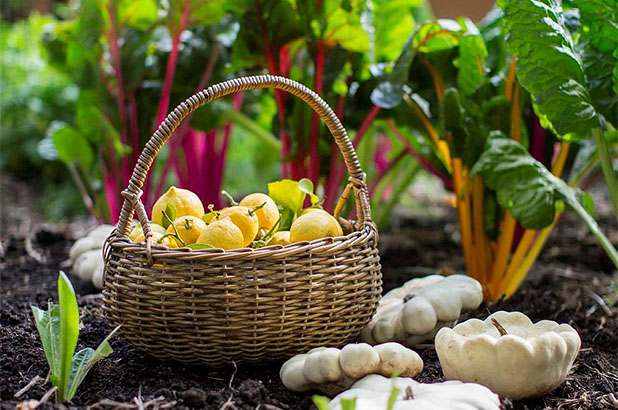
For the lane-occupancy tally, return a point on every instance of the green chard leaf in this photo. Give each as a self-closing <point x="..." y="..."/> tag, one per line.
<point x="472" y="55"/>
<point x="548" y="66"/>
<point x="522" y="184"/>
<point x="392" y="22"/>
<point x="72" y="147"/>
<point x="530" y="191"/>
<point x="389" y="93"/>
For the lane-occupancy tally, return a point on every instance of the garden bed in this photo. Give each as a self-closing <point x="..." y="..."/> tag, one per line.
<point x="567" y="285"/>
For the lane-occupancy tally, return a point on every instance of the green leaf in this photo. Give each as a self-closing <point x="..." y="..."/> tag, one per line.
<point x="392" y="398"/>
<point x="48" y="325"/>
<point x="344" y="28"/>
<point x="306" y="186"/>
<point x="348" y="404"/>
<point x="287" y="217"/>
<point x="197" y="246"/>
<point x="84" y="360"/>
<point x="169" y="215"/>
<point x="389" y="93"/>
<point x="438" y="35"/>
<point x="547" y="65"/>
<point x="522" y="184"/>
<point x="471" y="73"/>
<point x="140" y="14"/>
<point x="599" y="18"/>
<point x="290" y="194"/>
<point x="72" y="147"/>
<point x="254" y="129"/>
<point x="69" y="330"/>
<point x="392" y="23"/>
<point x="321" y="402"/>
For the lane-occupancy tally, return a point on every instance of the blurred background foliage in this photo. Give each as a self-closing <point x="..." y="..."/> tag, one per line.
<point x="86" y="84"/>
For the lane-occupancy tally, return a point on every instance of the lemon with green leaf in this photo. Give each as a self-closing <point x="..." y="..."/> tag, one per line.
<point x="180" y="201"/>
<point x="188" y="228"/>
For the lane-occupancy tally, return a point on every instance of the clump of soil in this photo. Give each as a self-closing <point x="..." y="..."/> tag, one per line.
<point x="569" y="287"/>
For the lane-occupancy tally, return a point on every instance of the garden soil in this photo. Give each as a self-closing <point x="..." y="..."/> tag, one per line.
<point x="573" y="282"/>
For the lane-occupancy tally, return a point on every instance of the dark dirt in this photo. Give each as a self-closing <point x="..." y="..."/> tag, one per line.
<point x="572" y="283"/>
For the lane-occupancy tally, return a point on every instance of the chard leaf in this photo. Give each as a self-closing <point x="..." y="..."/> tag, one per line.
<point x="547" y="65"/>
<point x="72" y="147"/>
<point x="69" y="330"/>
<point x="344" y="28"/>
<point x="392" y="22"/>
<point x="140" y="14"/>
<point x="83" y="361"/>
<point x="601" y="27"/>
<point x="389" y="93"/>
<point x="472" y="55"/>
<point x="523" y="185"/>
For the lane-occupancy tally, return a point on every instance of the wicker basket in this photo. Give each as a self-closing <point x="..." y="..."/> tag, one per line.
<point x="246" y="305"/>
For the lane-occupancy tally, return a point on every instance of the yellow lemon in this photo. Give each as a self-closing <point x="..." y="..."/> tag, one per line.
<point x="158" y="239"/>
<point x="314" y="225"/>
<point x="311" y="209"/>
<point x="280" y="238"/>
<point x="222" y="234"/>
<point x="245" y="219"/>
<point x="189" y="228"/>
<point x="137" y="231"/>
<point x="268" y="215"/>
<point x="186" y="203"/>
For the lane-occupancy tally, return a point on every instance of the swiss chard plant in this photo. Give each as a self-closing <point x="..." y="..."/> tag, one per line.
<point x="481" y="133"/>
<point x="132" y="61"/>
<point x="58" y="328"/>
<point x="338" y="49"/>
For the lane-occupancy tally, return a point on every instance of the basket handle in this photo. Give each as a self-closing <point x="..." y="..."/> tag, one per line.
<point x="133" y="192"/>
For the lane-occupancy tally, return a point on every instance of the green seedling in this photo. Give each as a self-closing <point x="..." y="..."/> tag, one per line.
<point x="58" y="328"/>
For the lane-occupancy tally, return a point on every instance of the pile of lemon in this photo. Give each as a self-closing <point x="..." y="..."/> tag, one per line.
<point x="179" y="220"/>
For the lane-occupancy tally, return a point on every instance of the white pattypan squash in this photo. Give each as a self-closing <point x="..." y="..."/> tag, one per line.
<point x="86" y="254"/>
<point x="374" y="393"/>
<point x="520" y="360"/>
<point x="414" y="312"/>
<point x="332" y="370"/>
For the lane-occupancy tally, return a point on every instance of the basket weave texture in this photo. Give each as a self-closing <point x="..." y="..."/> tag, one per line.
<point x="212" y="306"/>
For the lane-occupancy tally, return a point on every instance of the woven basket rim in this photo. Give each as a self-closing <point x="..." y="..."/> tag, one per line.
<point x="250" y="253"/>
